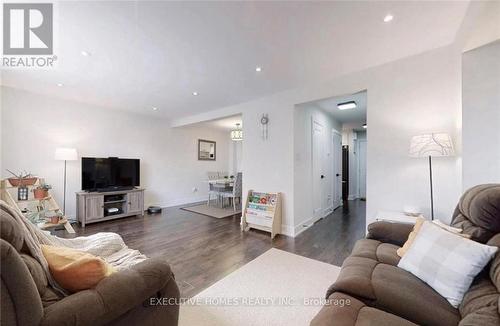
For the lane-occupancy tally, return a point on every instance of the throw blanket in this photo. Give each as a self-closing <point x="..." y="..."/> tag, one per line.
<point x="108" y="246"/>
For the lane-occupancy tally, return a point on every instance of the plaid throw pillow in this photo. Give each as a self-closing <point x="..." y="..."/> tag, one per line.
<point x="445" y="261"/>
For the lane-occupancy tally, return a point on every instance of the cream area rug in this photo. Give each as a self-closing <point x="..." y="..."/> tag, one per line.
<point x="276" y="288"/>
<point x="213" y="210"/>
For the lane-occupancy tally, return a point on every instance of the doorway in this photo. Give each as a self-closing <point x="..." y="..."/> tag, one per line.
<point x="327" y="156"/>
<point x="337" y="169"/>
<point x="362" y="144"/>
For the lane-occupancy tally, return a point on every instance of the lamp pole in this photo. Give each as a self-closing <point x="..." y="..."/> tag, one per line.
<point x="428" y="145"/>
<point x="64" y="195"/>
<point x="65" y="154"/>
<point x="430" y="178"/>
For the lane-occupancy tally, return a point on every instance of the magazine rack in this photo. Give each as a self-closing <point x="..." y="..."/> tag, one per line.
<point x="262" y="212"/>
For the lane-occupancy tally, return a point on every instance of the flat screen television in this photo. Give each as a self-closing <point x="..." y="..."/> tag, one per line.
<point x="108" y="174"/>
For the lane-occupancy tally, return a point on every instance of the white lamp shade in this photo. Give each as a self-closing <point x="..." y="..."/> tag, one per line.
<point x="436" y="144"/>
<point x="66" y="154"/>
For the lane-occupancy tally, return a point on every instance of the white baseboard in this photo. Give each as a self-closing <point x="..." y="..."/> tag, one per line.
<point x="328" y="211"/>
<point x="310" y="222"/>
<point x="287" y="230"/>
<point x="180" y="201"/>
<point x="71" y="217"/>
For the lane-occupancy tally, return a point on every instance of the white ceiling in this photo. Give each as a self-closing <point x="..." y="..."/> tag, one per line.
<point x="226" y="124"/>
<point x="357" y="114"/>
<point x="147" y="54"/>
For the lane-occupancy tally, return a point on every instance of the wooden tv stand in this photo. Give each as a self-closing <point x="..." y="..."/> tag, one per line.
<point x="94" y="207"/>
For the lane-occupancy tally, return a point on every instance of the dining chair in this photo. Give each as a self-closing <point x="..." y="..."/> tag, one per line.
<point x="212" y="189"/>
<point x="236" y="191"/>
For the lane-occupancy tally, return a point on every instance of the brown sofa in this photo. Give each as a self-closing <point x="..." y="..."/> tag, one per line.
<point x="124" y="298"/>
<point x="380" y="293"/>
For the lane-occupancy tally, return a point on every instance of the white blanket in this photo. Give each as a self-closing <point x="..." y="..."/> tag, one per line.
<point x="109" y="246"/>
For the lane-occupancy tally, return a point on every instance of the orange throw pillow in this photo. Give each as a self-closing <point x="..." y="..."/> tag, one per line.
<point x="418" y="224"/>
<point x="411" y="237"/>
<point x="75" y="270"/>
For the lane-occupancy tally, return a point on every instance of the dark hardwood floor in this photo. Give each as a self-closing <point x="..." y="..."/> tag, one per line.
<point x="202" y="250"/>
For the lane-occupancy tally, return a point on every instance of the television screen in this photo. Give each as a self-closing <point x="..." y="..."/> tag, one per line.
<point x="110" y="173"/>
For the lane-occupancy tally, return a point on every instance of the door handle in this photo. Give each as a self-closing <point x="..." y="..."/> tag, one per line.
<point x="337" y="175"/>
<point x="322" y="176"/>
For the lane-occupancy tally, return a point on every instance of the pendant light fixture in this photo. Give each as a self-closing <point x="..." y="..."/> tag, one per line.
<point x="237" y="134"/>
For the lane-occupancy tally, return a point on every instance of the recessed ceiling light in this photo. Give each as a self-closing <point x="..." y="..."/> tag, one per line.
<point x="60" y="84"/>
<point x="85" y="53"/>
<point x="346" y="105"/>
<point x="388" y="18"/>
<point x="364" y="125"/>
<point x="195" y="93"/>
<point x="155" y="108"/>
<point x="258" y="69"/>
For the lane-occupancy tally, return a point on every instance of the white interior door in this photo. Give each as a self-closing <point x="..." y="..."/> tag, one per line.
<point x="327" y="181"/>
<point x="319" y="197"/>
<point x="337" y="169"/>
<point x="362" y="167"/>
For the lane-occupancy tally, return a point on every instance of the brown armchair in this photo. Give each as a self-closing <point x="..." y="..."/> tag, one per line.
<point x="126" y="297"/>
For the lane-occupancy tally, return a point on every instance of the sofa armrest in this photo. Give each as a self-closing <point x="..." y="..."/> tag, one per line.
<point x="112" y="297"/>
<point x="344" y="310"/>
<point x="395" y="233"/>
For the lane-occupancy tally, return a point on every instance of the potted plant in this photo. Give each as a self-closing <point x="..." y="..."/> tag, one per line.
<point x="54" y="219"/>
<point x="42" y="191"/>
<point x="43" y="215"/>
<point x="22" y="179"/>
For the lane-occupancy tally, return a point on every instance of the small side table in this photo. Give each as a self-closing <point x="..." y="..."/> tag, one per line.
<point x="396" y="217"/>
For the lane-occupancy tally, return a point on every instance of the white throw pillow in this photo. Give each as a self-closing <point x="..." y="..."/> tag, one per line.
<point x="445" y="261"/>
<point x="447" y="227"/>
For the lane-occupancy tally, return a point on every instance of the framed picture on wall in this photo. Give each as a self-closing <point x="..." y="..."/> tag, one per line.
<point x="206" y="150"/>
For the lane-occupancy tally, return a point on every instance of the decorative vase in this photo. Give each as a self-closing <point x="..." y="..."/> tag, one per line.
<point x="40" y="193"/>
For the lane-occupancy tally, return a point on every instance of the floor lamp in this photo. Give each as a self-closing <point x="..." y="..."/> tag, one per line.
<point x="65" y="154"/>
<point x="429" y="145"/>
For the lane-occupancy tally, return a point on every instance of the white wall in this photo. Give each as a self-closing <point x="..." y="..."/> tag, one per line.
<point x="34" y="125"/>
<point x="1" y="125"/>
<point x="235" y="156"/>
<point x="481" y="115"/>
<point x="410" y="96"/>
<point x="303" y="183"/>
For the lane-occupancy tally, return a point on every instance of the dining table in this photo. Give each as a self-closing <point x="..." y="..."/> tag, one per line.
<point x="222" y="185"/>
<point x="222" y="181"/>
